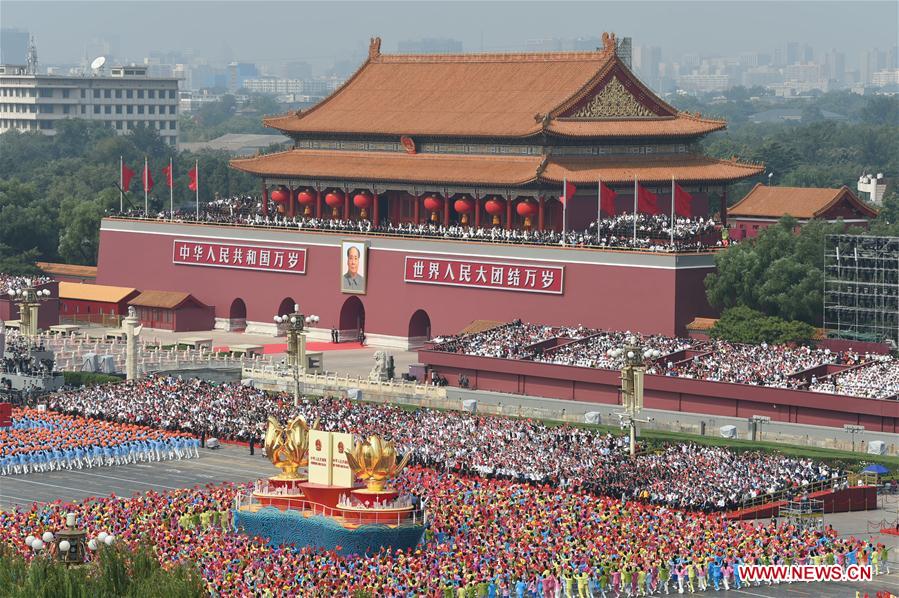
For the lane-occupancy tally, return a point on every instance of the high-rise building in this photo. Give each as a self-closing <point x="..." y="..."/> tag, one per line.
<point x="13" y="45"/>
<point x="238" y="72"/>
<point x="792" y="56"/>
<point x="835" y="63"/>
<point x="122" y="100"/>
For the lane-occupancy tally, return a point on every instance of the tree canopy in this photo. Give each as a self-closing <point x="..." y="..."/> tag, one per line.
<point x="744" y="325"/>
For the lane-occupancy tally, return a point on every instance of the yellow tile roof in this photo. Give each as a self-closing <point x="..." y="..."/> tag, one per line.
<point x="94" y="292"/>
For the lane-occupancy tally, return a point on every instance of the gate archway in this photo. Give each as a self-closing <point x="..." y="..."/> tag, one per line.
<point x="419" y="328"/>
<point x="352" y="319"/>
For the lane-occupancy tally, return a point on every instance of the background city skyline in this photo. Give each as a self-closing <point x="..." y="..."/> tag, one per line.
<point x="325" y="33"/>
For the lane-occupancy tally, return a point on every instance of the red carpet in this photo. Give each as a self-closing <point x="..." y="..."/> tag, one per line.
<point x="892" y="531"/>
<point x="282" y="347"/>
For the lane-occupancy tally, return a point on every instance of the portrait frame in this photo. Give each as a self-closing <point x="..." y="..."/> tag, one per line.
<point x="347" y="285"/>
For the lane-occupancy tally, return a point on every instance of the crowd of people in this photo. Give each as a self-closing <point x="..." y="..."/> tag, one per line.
<point x="779" y="366"/>
<point x="484" y="537"/>
<point x="41" y="441"/>
<point x="653" y="231"/>
<point x="522" y="450"/>
<point x="23" y="357"/>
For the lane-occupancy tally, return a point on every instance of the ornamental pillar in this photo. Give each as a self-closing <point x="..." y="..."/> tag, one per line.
<point x="415" y="210"/>
<point x="375" y="210"/>
<point x="346" y="204"/>
<point x="264" y="199"/>
<point x="508" y="212"/>
<point x="722" y="208"/>
<point x="446" y="208"/>
<point x="541" y="213"/>
<point x="318" y="202"/>
<point x="294" y="194"/>
<point x="477" y="211"/>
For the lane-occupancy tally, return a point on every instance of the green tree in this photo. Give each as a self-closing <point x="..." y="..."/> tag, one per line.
<point x="744" y="325"/>
<point x="881" y="110"/>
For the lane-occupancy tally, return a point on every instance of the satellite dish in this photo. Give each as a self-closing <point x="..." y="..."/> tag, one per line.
<point x="98" y="63"/>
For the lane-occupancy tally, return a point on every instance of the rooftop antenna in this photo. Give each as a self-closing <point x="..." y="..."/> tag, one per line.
<point x="31" y="58"/>
<point x="97" y="65"/>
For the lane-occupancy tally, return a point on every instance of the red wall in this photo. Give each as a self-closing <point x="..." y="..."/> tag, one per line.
<point x="667" y="393"/>
<point x="646" y="299"/>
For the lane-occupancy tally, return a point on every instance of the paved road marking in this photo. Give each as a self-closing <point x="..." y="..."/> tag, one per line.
<point x="750" y="593"/>
<point x="79" y="490"/>
<point x="130" y="481"/>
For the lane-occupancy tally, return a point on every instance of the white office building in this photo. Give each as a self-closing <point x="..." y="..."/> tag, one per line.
<point x="122" y="99"/>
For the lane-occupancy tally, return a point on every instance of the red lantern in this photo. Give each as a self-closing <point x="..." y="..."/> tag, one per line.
<point x="433" y="204"/>
<point x="363" y="202"/>
<point x="526" y="208"/>
<point x="495" y="207"/>
<point x="281" y="195"/>
<point x="306" y="198"/>
<point x="464" y="205"/>
<point x="334" y="199"/>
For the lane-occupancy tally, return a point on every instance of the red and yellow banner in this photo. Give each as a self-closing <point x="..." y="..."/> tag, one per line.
<point x="485" y="275"/>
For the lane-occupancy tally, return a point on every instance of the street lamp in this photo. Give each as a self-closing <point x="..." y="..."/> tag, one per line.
<point x="632" y="372"/>
<point x="296" y="324"/>
<point x="852" y="429"/>
<point x="29" y="301"/>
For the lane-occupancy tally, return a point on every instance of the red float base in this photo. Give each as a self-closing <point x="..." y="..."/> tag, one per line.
<point x="363" y="515"/>
<point x="323" y="494"/>
<point x="290" y="485"/>
<point x="283" y="502"/>
<point x="368" y="497"/>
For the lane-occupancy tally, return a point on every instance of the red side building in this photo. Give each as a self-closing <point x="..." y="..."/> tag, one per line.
<point x="172" y="310"/>
<point x="483" y="140"/>
<point x="763" y="206"/>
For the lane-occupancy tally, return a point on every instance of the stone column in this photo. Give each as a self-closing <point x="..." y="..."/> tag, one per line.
<point x="132" y="331"/>
<point x="264" y="199"/>
<point x="477" y="211"/>
<point x="34" y="314"/>
<point x="541" y="214"/>
<point x="722" y="208"/>
<point x="375" y="209"/>
<point x="415" y="211"/>
<point x="509" y="212"/>
<point x="446" y="209"/>
<point x="293" y="202"/>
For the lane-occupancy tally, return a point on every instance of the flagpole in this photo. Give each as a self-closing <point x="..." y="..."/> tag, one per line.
<point x="197" y="171"/>
<point x="635" y="211"/>
<point x="146" y="180"/>
<point x="598" y="207"/>
<point x="564" y="210"/>
<point x="171" y="182"/>
<point x="672" y="212"/>
<point x="121" y="186"/>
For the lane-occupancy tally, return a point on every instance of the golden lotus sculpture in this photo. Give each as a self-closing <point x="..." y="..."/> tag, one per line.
<point x="374" y="462"/>
<point x="288" y="446"/>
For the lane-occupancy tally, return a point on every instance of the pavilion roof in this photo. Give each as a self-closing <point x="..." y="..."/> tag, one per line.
<point x="499" y="170"/>
<point x="800" y="202"/>
<point x="584" y="94"/>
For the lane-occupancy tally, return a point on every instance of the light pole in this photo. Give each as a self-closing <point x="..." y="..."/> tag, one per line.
<point x="296" y="323"/>
<point x="852" y="429"/>
<point x="29" y="301"/>
<point x="632" y="373"/>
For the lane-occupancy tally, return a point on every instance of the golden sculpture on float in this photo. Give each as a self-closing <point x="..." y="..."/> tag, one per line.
<point x="288" y="447"/>
<point x="374" y="462"/>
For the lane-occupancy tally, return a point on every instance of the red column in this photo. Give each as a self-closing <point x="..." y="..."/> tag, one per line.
<point x="293" y="202"/>
<point x="446" y="212"/>
<point x="375" y="211"/>
<point x="415" y="210"/>
<point x="318" y="202"/>
<point x="264" y="199"/>
<point x="477" y="211"/>
<point x="541" y="214"/>
<point x="509" y="213"/>
<point x="723" y="206"/>
<point x="346" y="204"/>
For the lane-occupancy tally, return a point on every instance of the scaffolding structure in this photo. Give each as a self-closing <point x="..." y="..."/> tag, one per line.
<point x="861" y="288"/>
<point x="804" y="514"/>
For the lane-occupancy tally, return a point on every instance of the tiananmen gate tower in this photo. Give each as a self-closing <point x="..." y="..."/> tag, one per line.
<point x="469" y="140"/>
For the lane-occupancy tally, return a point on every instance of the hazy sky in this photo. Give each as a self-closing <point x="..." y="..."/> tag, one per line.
<point x="321" y="32"/>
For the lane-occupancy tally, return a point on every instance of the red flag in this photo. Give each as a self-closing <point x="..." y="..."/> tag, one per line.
<point x="192" y="173"/>
<point x="148" y="179"/>
<point x="167" y="171"/>
<point x="568" y="191"/>
<point x="607" y="200"/>
<point x="647" y="201"/>
<point x="683" y="202"/>
<point x="127" y="175"/>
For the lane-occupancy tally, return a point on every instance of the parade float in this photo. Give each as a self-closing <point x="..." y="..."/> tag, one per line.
<point x="331" y="493"/>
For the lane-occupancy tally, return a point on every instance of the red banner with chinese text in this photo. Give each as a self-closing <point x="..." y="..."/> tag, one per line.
<point x="485" y="275"/>
<point x="236" y="255"/>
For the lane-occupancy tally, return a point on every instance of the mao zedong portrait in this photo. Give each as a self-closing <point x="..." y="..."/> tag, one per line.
<point x="353" y="280"/>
